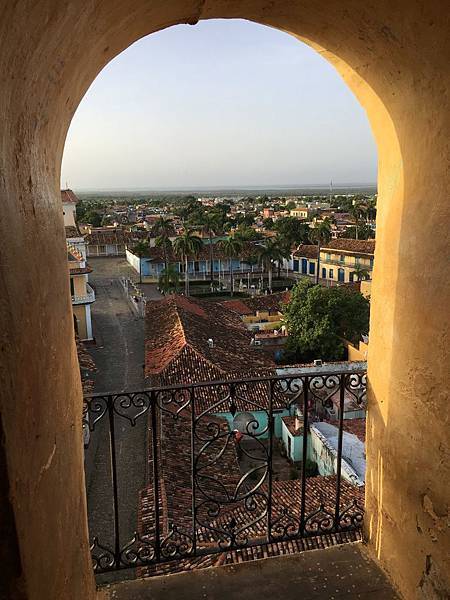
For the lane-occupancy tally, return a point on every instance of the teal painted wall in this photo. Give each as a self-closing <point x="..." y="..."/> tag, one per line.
<point x="261" y="417"/>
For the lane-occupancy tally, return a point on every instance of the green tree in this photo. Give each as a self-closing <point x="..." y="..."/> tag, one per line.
<point x="358" y="210"/>
<point x="93" y="218"/>
<point x="210" y="223"/>
<point x="361" y="273"/>
<point x="246" y="234"/>
<point x="163" y="241"/>
<point x="293" y="230"/>
<point x="169" y="280"/>
<point x="269" y="253"/>
<point x="232" y="248"/>
<point x="284" y="246"/>
<point x="318" y="318"/>
<point x="186" y="246"/>
<point x="362" y="232"/>
<point x="140" y="250"/>
<point x="268" y="223"/>
<point x="321" y="234"/>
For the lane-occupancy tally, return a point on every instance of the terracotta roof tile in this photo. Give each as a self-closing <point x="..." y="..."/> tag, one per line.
<point x="68" y="197"/>
<point x="351" y="245"/>
<point x="357" y="427"/>
<point x="72" y="232"/>
<point x="248" y="306"/>
<point x="306" y="251"/>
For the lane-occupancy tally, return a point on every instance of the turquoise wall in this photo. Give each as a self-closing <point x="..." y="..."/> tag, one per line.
<point x="261" y="417"/>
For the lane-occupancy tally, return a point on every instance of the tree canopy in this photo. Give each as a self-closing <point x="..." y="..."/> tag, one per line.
<point x="293" y="230"/>
<point x="319" y="318"/>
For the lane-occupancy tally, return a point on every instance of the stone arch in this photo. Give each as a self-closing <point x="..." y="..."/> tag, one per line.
<point x="393" y="57"/>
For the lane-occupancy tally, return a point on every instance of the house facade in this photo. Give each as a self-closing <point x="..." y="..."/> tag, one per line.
<point x="153" y="263"/>
<point x="81" y="292"/>
<point x="105" y="241"/>
<point x="341" y="260"/>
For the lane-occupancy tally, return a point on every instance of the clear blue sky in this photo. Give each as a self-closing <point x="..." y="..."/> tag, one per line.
<point x="223" y="103"/>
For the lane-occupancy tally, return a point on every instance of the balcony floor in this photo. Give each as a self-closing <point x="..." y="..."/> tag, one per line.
<point x="333" y="574"/>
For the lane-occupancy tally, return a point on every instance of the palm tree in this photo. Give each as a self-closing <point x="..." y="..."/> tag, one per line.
<point x="184" y="246"/>
<point x="163" y="226"/>
<point x="267" y="254"/>
<point x="361" y="273"/>
<point x="285" y="251"/>
<point x="321" y="233"/>
<point x="358" y="210"/>
<point x="163" y="241"/>
<point x="210" y="222"/>
<point x="140" y="250"/>
<point x="169" y="279"/>
<point x="231" y="247"/>
<point x="371" y="212"/>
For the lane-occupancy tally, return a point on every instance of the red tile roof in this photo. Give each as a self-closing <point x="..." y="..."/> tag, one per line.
<point x="101" y="237"/>
<point x="357" y="427"/>
<point x="177" y="347"/>
<point x="351" y="245"/>
<point x="286" y="504"/>
<point x="249" y="306"/>
<point x="72" y="232"/>
<point x="306" y="251"/>
<point x="177" y="351"/>
<point x="87" y="367"/>
<point x="68" y="197"/>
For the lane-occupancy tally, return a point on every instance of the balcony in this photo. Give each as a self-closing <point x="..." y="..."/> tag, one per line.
<point x="86" y="298"/>
<point x="190" y="476"/>
<point x="332" y="574"/>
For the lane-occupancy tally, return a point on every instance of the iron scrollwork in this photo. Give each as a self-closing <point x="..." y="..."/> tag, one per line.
<point x="234" y="498"/>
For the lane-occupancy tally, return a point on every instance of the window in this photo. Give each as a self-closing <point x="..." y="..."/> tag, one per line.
<point x="72" y="289"/>
<point x="102" y="249"/>
<point x="324" y="273"/>
<point x="312" y="268"/>
<point x="342" y="258"/>
<point x="289" y="445"/>
<point x="331" y="273"/>
<point x="327" y="256"/>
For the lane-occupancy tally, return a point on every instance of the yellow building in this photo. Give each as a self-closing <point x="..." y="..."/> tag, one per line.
<point x="300" y="212"/>
<point x="82" y="293"/>
<point x="342" y="260"/>
<point x="260" y="313"/>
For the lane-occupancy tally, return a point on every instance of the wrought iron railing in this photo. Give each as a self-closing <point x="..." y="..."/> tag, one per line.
<point x="204" y="457"/>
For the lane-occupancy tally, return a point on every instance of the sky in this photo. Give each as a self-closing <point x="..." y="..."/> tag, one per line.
<point x="219" y="104"/>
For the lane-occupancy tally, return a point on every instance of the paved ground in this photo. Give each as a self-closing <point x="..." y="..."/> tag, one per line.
<point x="119" y="357"/>
<point x="338" y="573"/>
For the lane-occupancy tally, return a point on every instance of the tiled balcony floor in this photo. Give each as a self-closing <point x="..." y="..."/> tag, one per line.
<point x="333" y="574"/>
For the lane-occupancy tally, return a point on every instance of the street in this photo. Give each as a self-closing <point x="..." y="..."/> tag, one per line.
<point x="119" y="357"/>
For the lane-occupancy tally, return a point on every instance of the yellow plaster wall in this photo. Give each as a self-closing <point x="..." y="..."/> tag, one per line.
<point x="80" y="313"/>
<point x="79" y="285"/>
<point x="394" y="57"/>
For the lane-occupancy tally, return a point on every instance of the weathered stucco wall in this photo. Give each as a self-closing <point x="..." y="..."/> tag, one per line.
<point x="394" y="57"/>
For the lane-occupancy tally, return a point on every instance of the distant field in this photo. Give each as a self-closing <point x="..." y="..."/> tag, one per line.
<point x="227" y="192"/>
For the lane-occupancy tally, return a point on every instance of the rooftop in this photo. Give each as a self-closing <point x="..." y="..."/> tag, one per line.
<point x="353" y="450"/>
<point x="192" y="340"/>
<point x="68" y="197"/>
<point x="249" y="306"/>
<point x="351" y="245"/>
